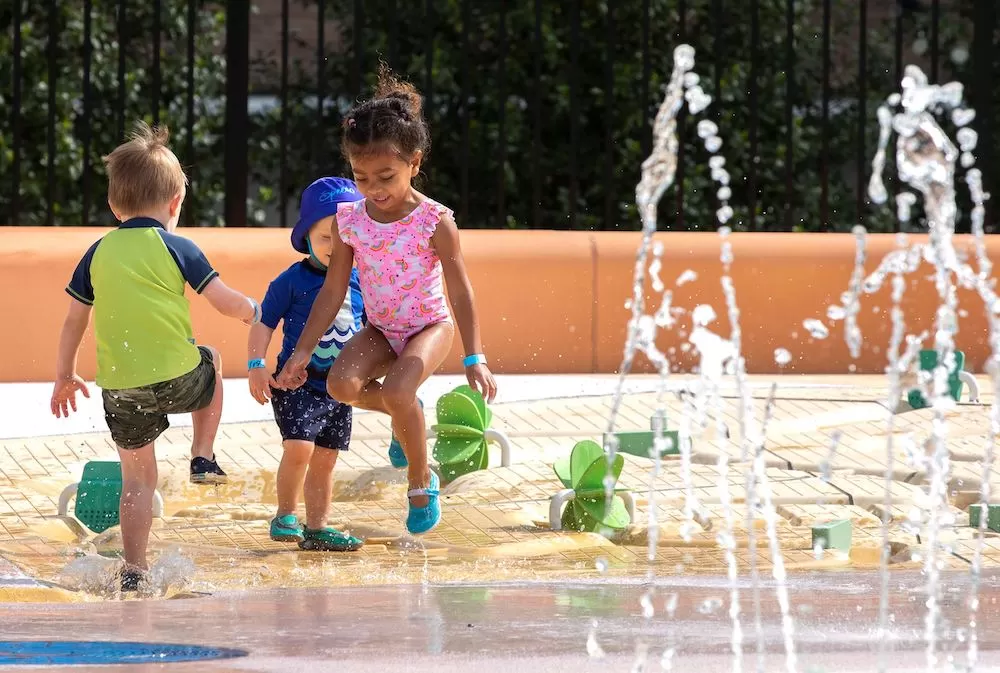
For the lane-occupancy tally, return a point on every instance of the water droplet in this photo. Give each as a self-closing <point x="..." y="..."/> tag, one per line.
<point x="835" y="312"/>
<point x="919" y="47"/>
<point x="724" y="214"/>
<point x="702" y="315"/>
<point x="684" y="57"/>
<point x="697" y="99"/>
<point x="594" y="650"/>
<point x="713" y="144"/>
<point x="716" y="163"/>
<point x="691" y="79"/>
<point x="724" y="193"/>
<point x="876" y="189"/>
<point x="951" y="94"/>
<point x="667" y="659"/>
<point x="709" y="606"/>
<point x="782" y="356"/>
<point x="707" y="129"/>
<point x="670" y="604"/>
<point x="904" y="204"/>
<point x="686" y="277"/>
<point x="647" y="606"/>
<point x="726" y="254"/>
<point x="601" y="564"/>
<point x="962" y="116"/>
<point x="816" y="328"/>
<point x="721" y="176"/>
<point x="968" y="160"/>
<point x="967" y="139"/>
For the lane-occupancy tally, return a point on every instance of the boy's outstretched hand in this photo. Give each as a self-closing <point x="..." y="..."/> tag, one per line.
<point x="481" y="378"/>
<point x="261" y="383"/>
<point x="64" y="395"/>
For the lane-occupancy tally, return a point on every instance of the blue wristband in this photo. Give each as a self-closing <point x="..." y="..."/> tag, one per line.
<point x="475" y="359"/>
<point x="256" y="364"/>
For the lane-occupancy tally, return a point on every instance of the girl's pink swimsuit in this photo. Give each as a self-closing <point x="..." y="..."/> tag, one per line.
<point x="402" y="282"/>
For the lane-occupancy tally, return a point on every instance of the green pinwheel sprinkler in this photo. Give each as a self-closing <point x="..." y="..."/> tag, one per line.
<point x="588" y="507"/>
<point x="916" y="396"/>
<point x="463" y="434"/>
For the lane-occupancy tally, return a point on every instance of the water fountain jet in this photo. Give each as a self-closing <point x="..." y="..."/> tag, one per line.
<point x="719" y="357"/>
<point x="926" y="159"/>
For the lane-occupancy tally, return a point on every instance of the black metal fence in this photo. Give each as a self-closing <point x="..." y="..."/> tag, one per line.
<point x="540" y="110"/>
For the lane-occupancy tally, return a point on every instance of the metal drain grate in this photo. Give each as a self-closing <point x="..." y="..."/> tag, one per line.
<point x="94" y="652"/>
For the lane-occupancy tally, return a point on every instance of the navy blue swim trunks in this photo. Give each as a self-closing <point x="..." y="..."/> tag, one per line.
<point x="309" y="415"/>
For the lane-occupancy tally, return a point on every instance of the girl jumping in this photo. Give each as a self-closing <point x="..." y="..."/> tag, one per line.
<point x="405" y="246"/>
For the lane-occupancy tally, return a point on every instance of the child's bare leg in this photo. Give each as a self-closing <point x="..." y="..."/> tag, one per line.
<point x="421" y="357"/>
<point x="319" y="486"/>
<point x="139" y="477"/>
<point x="206" y="421"/>
<point x="291" y="472"/>
<point x="409" y="427"/>
<point x="365" y="358"/>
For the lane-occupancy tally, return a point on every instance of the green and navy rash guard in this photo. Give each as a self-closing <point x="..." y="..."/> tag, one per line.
<point x="134" y="278"/>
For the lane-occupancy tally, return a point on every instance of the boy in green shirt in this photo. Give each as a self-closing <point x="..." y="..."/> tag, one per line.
<point x="148" y="366"/>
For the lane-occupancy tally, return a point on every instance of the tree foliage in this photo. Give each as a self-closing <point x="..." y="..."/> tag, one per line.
<point x="104" y="131"/>
<point x="535" y="176"/>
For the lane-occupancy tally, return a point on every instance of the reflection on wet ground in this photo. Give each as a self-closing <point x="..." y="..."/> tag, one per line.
<point x="526" y="627"/>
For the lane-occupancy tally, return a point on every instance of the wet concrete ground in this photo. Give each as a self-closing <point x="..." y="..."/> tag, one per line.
<point x="495" y="525"/>
<point x="297" y="612"/>
<point x="532" y="627"/>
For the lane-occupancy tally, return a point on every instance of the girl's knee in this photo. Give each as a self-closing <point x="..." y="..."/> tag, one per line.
<point x="398" y="397"/>
<point x="346" y="390"/>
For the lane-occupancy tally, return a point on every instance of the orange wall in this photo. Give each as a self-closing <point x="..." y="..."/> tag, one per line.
<point x="549" y="302"/>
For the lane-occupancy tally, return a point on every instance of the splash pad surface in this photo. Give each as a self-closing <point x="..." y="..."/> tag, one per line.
<point x="538" y="592"/>
<point x="496" y="521"/>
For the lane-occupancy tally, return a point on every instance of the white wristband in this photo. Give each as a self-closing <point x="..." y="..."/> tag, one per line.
<point x="256" y="311"/>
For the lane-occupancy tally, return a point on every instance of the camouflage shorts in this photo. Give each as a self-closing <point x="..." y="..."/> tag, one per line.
<point x="137" y="416"/>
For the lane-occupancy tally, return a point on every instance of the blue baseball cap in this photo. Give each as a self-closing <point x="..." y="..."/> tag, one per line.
<point x="319" y="200"/>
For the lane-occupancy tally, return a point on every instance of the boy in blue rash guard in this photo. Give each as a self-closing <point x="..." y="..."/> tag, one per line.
<point x="314" y="427"/>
